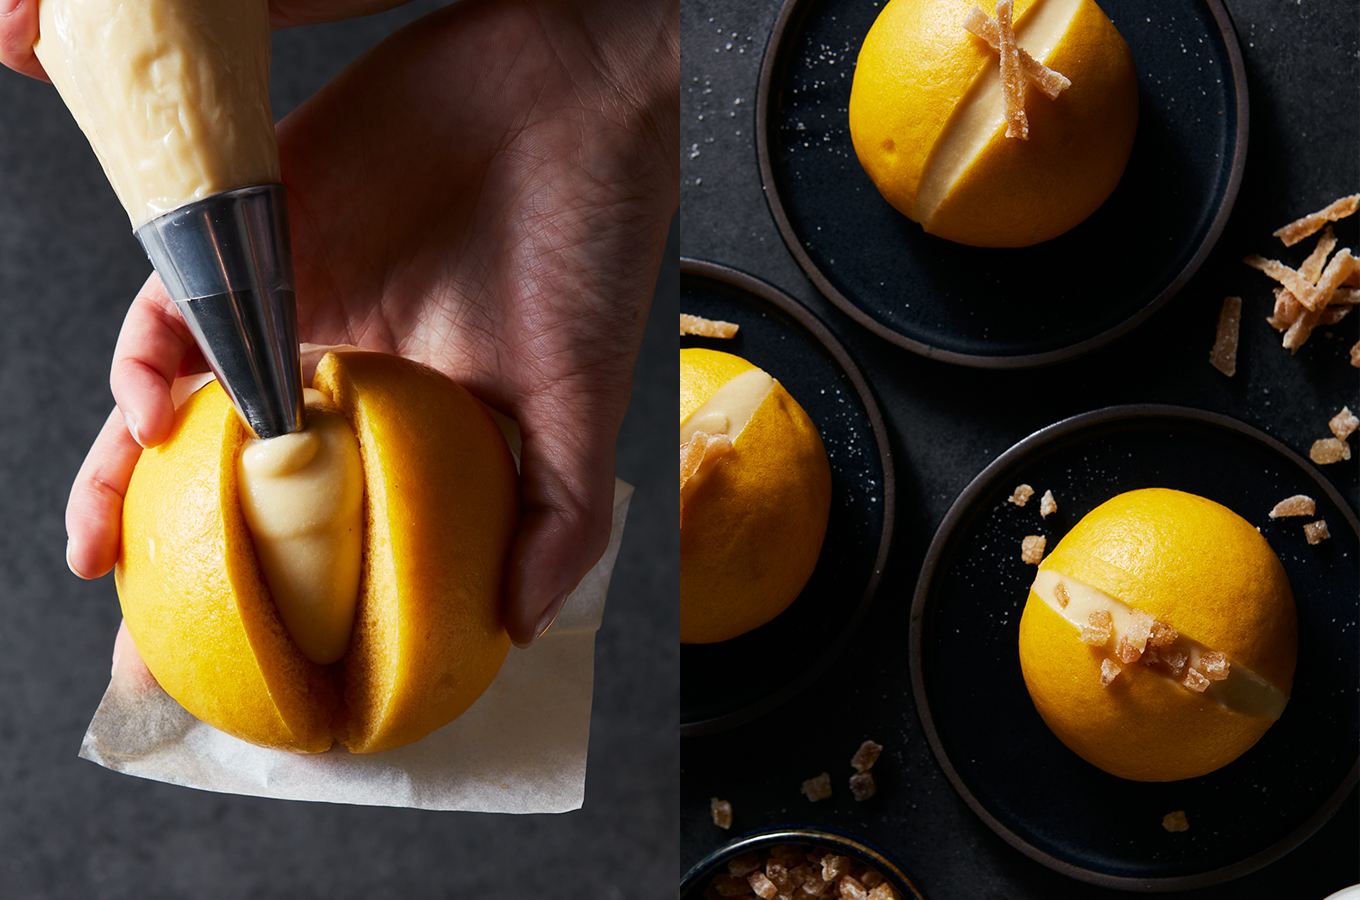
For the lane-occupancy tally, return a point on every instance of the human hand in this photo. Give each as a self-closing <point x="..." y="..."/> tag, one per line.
<point x="488" y="192"/>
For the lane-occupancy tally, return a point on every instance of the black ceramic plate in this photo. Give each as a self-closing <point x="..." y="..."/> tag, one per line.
<point x="1006" y="308"/>
<point x="724" y="684"/>
<point x="1009" y="767"/>
<point x="697" y="879"/>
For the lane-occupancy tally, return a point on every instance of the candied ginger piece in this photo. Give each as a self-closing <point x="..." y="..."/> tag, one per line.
<point x="866" y="756"/>
<point x="1162" y="634"/>
<point x="883" y="891"/>
<point x="1195" y="680"/>
<point x="1337" y="271"/>
<point x="1032" y="549"/>
<point x="761" y="886"/>
<point x="1047" y="505"/>
<point x="1012" y="81"/>
<point x="1316" y="532"/>
<point x="1109" y="671"/>
<point x="834" y="866"/>
<point x="1290" y="278"/>
<point x="1214" y="665"/>
<point x="1176" y="821"/>
<point x="818" y="788"/>
<point x="862" y="785"/>
<point x="1134" y="640"/>
<point x="1317" y="260"/>
<point x="731" y="886"/>
<point x="743" y="865"/>
<point x="1223" y="355"/>
<point x="1344" y="423"/>
<point x="1297" y="505"/>
<point x="1097" y="632"/>
<point x="850" y="888"/>
<point x="1041" y="76"/>
<point x="778" y="873"/>
<point x="1020" y="496"/>
<point x="721" y="811"/>
<point x="1329" y="450"/>
<point x="1060" y="591"/>
<point x="698" y="326"/>
<point x="871" y="879"/>
<point x="1301" y="228"/>
<point x="694" y="453"/>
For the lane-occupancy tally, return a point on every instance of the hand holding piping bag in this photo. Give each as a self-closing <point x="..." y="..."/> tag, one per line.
<point x="487" y="191"/>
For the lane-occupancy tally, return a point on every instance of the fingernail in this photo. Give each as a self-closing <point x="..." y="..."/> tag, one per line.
<point x="68" y="540"/>
<point x="545" y="621"/>
<point x="132" y="426"/>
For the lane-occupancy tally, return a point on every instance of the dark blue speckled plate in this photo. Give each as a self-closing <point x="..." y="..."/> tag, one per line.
<point x="725" y="684"/>
<point x="1006" y="308"/>
<point x="1038" y="795"/>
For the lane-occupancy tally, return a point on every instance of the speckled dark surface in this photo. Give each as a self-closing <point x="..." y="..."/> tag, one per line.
<point x="948" y="423"/>
<point x="68" y="829"/>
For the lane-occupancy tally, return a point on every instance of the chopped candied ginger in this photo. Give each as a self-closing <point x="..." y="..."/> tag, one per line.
<point x="778" y="873"/>
<point x="1301" y="228"/>
<point x="1176" y="821"/>
<point x="1316" y="532"/>
<point x="1195" y="680"/>
<point x="1032" y="549"/>
<point x="866" y="756"/>
<point x="1176" y="661"/>
<point x="1109" y="671"/>
<point x="1041" y="76"/>
<point x="862" y="785"/>
<point x="698" y="326"/>
<point x="1344" y="423"/>
<point x="762" y="886"/>
<point x="1047" y="505"/>
<point x="1162" y="635"/>
<point x="883" y="891"/>
<point x="730" y="886"/>
<point x="850" y="888"/>
<point x="743" y="865"/>
<point x="1329" y="450"/>
<point x="1297" y="505"/>
<point x="1213" y="665"/>
<point x="835" y="867"/>
<point x="1097" y="632"/>
<point x="1134" y="640"/>
<point x="818" y="788"/>
<point x="1020" y="496"/>
<point x="1060" y="591"/>
<point x="721" y="811"/>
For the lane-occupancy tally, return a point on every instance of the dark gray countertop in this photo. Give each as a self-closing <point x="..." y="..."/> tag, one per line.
<point x="947" y="423"/>
<point x="69" y="266"/>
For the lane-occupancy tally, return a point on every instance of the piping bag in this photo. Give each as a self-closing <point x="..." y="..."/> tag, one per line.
<point x="173" y="96"/>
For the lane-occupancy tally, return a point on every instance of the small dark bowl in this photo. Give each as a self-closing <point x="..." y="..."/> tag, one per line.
<point x="697" y="878"/>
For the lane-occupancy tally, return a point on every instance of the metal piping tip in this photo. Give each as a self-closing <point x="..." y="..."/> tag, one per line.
<point x="227" y="262"/>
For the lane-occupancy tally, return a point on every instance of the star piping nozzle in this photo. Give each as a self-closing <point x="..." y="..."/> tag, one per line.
<point x="227" y="262"/>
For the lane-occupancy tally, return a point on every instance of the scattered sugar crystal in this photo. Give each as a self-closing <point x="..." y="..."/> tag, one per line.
<point x="1109" y="670"/>
<point x="1195" y="681"/>
<point x="1329" y="450"/>
<point x="1060" y="591"/>
<point x="1032" y="549"/>
<point x="743" y="865"/>
<point x="1316" y="532"/>
<point x="1162" y="634"/>
<point x="1175" y="661"/>
<point x="1344" y="423"/>
<point x="1047" y="504"/>
<point x="862" y="785"/>
<point x="762" y="886"/>
<point x="1021" y="495"/>
<point x="722" y="812"/>
<point x="1297" y="505"/>
<point x="866" y="756"/>
<point x="1176" y="821"/>
<point x="818" y="788"/>
<point x="1214" y="665"/>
